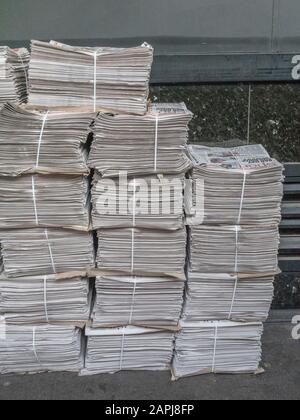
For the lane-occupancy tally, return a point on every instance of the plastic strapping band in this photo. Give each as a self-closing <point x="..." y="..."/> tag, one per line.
<point x="40" y="139"/>
<point x="132" y="302"/>
<point x="45" y="299"/>
<point x="215" y="349"/>
<point x="34" y="200"/>
<point x="50" y="251"/>
<point x="242" y="198"/>
<point x="132" y="249"/>
<point x="122" y="348"/>
<point x="233" y="297"/>
<point x="237" y="230"/>
<point x="34" y="345"/>
<point x="156" y="142"/>
<point x="134" y="204"/>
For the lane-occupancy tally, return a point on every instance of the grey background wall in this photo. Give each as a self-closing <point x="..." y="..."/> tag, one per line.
<point x="201" y="25"/>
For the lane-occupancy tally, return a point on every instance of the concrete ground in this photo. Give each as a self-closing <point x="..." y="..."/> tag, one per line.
<point x="280" y="382"/>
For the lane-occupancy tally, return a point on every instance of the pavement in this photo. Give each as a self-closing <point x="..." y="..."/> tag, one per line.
<point x="281" y="381"/>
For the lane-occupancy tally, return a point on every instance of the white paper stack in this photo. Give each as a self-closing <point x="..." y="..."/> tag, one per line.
<point x="44" y="299"/>
<point x="143" y="252"/>
<point x="217" y="347"/>
<point x="44" y="200"/>
<point x="146" y="202"/>
<point x="234" y="249"/>
<point x="130" y="348"/>
<point x="111" y="79"/>
<point x="224" y="296"/>
<point x="41" y="348"/>
<point x="13" y="75"/>
<point x="39" y="252"/>
<point x="140" y="301"/>
<point x="43" y="142"/>
<point x="242" y="186"/>
<point x="142" y="145"/>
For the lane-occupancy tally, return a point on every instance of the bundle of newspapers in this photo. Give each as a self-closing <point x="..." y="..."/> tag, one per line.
<point x="217" y="347"/>
<point x="113" y="350"/>
<point x="141" y="301"/>
<point x="44" y="299"/>
<point x="225" y="296"/>
<point x="142" y="252"/>
<point x="43" y="142"/>
<point x="144" y="202"/>
<point x="234" y="249"/>
<point x="242" y="186"/>
<point x="44" y="200"/>
<point x="142" y="145"/>
<point x="112" y="79"/>
<point x="40" y="348"/>
<point x="13" y="75"/>
<point x="40" y="252"/>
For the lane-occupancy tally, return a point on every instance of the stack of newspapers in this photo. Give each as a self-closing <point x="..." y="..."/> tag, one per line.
<point x="46" y="244"/>
<point x="40" y="348"/>
<point x="233" y="205"/>
<point x="111" y="79"/>
<point x="138" y="188"/>
<point x="13" y="75"/>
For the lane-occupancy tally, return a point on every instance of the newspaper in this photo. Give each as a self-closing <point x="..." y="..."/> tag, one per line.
<point x="140" y="301"/>
<point x="111" y="79"/>
<point x="41" y="348"/>
<point x="217" y="347"/>
<point x="129" y="348"/>
<point x="142" y="145"/>
<point x="43" y="142"/>
<point x="13" y="75"/>
<point x="40" y="252"/>
<point x="45" y="201"/>
<point x="242" y="186"/>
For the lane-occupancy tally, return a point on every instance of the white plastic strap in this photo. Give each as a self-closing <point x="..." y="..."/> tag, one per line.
<point x="122" y="348"/>
<point x="45" y="299"/>
<point x="132" y="302"/>
<point x="34" y="200"/>
<point x="237" y="231"/>
<point x="34" y="345"/>
<point x="41" y="138"/>
<point x="242" y="198"/>
<point x="156" y="142"/>
<point x="215" y="349"/>
<point x="134" y="204"/>
<point x="233" y="297"/>
<point x="50" y="251"/>
<point x="132" y="249"/>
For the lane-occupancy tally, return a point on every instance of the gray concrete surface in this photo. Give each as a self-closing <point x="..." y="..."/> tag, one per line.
<point x="280" y="382"/>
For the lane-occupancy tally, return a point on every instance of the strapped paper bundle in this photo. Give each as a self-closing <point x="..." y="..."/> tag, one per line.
<point x="151" y="144"/>
<point x="43" y="299"/>
<point x="142" y="252"/>
<point x="44" y="200"/>
<point x="112" y="79"/>
<point x="40" y="348"/>
<point x="50" y="142"/>
<point x="13" y="75"/>
<point x="39" y="252"/>
<point x="144" y="202"/>
<point x="145" y="301"/>
<point x="217" y="347"/>
<point x="111" y="350"/>
<point x="224" y="296"/>
<point x="242" y="186"/>
<point x="234" y="249"/>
